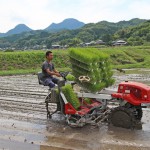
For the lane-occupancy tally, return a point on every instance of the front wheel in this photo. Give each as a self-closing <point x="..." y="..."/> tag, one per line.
<point x="139" y="113"/>
<point x="122" y="117"/>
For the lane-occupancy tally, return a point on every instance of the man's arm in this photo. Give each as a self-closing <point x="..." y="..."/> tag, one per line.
<point x="55" y="72"/>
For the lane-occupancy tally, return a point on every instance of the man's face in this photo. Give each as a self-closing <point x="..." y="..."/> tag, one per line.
<point x="50" y="56"/>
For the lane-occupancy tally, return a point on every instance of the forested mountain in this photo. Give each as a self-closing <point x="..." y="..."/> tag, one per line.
<point x="69" y="24"/>
<point x="106" y="31"/>
<point x="135" y="35"/>
<point x="132" y="22"/>
<point x="20" y="28"/>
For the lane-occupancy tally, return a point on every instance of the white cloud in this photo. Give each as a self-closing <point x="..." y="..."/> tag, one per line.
<point x="38" y="14"/>
<point x="32" y="13"/>
<point x="140" y="9"/>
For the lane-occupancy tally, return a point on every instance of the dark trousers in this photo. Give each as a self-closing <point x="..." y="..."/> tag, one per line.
<point x="51" y="82"/>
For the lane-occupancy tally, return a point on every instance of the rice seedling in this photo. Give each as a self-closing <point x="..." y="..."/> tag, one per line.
<point x="71" y="96"/>
<point x="94" y="64"/>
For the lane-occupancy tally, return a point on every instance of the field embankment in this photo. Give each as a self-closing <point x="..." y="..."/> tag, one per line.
<point x="129" y="57"/>
<point x="23" y="62"/>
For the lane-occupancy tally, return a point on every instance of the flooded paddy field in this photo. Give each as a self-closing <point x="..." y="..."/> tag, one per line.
<point x="24" y="124"/>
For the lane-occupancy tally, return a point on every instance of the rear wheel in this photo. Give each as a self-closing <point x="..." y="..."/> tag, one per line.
<point x="122" y="117"/>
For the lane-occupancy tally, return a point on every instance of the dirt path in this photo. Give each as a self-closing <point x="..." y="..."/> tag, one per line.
<point x="23" y="122"/>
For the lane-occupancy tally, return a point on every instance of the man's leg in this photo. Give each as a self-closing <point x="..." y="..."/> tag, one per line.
<point x="55" y="80"/>
<point x="49" y="82"/>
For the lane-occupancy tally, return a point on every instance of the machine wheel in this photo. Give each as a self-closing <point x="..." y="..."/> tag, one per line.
<point x="51" y="107"/>
<point x="122" y="117"/>
<point x="139" y="113"/>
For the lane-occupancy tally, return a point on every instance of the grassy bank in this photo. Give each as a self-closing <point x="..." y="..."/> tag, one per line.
<point x="24" y="62"/>
<point x="129" y="57"/>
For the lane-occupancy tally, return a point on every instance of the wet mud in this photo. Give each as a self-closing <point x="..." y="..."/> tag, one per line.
<point x="24" y="124"/>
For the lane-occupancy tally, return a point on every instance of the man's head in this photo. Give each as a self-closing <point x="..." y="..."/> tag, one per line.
<point x="49" y="55"/>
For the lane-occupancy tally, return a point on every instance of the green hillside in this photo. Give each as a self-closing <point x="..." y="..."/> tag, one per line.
<point x="31" y="61"/>
<point x="138" y="35"/>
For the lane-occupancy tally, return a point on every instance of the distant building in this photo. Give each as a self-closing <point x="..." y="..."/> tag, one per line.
<point x="88" y="44"/>
<point x="119" y="43"/>
<point x="56" y="46"/>
<point x="92" y="43"/>
<point x="100" y="42"/>
<point x="44" y="47"/>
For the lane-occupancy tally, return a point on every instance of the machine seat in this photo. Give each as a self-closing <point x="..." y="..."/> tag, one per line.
<point x="40" y="78"/>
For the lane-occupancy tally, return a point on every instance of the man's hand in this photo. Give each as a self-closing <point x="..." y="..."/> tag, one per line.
<point x="58" y="74"/>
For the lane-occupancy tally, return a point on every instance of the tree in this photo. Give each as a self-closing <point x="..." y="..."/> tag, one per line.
<point x="48" y="43"/>
<point x="107" y="38"/>
<point x="74" y="42"/>
<point x="148" y="36"/>
<point x="85" y="36"/>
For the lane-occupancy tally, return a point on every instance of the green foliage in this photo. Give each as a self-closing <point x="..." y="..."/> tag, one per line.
<point x="24" y="62"/>
<point x="128" y="57"/>
<point x="70" y="77"/>
<point x="30" y="60"/>
<point x="18" y="72"/>
<point x="74" y="42"/>
<point x="88" y="100"/>
<point x="71" y="96"/>
<point x="137" y="35"/>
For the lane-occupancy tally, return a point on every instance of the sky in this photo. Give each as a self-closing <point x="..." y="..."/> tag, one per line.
<point x="39" y="14"/>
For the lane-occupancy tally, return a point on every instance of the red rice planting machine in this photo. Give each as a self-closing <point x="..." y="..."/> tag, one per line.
<point x="122" y="108"/>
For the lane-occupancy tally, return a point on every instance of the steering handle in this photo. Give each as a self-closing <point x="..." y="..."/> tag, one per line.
<point x="64" y="74"/>
<point x="84" y="78"/>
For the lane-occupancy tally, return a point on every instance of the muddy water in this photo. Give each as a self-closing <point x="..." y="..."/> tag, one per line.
<point x="23" y="122"/>
<point x="139" y="75"/>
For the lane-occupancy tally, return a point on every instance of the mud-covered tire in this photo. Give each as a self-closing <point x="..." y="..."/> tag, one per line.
<point x="51" y="107"/>
<point x="122" y="117"/>
<point x="139" y="113"/>
<point x="48" y="98"/>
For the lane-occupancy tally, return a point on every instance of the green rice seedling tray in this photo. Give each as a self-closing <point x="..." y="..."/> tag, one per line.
<point x="93" y="63"/>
